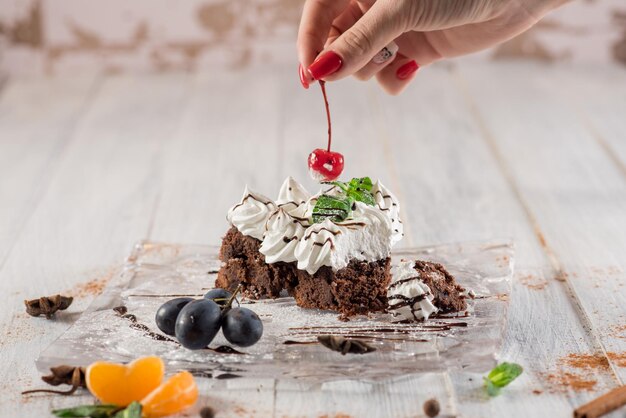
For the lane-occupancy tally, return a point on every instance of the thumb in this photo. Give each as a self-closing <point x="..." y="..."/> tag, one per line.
<point x="353" y="49"/>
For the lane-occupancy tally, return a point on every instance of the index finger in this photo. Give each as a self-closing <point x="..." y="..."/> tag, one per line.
<point x="315" y="25"/>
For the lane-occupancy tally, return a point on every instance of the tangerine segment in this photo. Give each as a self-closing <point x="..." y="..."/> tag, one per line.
<point x="120" y="384"/>
<point x="177" y="393"/>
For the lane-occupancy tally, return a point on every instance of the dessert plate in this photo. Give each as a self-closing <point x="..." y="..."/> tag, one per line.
<point x="119" y="325"/>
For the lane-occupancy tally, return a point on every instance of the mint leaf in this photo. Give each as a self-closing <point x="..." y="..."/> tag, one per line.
<point x="363" y="183"/>
<point x="92" y="411"/>
<point x="336" y="209"/>
<point x="362" y="196"/>
<point x="339" y="208"/>
<point x="132" y="411"/>
<point x="360" y="189"/>
<point x="501" y="376"/>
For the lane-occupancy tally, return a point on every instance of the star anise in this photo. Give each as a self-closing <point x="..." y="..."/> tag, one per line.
<point x="48" y="305"/>
<point x="345" y="345"/>
<point x="63" y="375"/>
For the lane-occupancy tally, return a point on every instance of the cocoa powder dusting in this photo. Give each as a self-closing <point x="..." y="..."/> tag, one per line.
<point x="533" y="282"/>
<point x="586" y="361"/>
<point x="618" y="331"/>
<point x="571" y="381"/>
<point x="618" y="358"/>
<point x="93" y="287"/>
<point x="577" y="372"/>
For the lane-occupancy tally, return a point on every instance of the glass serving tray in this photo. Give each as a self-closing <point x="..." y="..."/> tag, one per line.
<point x="157" y="272"/>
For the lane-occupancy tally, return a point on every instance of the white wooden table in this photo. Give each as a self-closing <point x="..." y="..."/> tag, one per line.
<point x="90" y="165"/>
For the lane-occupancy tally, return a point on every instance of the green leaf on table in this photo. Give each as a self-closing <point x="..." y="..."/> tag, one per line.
<point x="92" y="411"/>
<point x="501" y="376"/>
<point x="336" y="209"/>
<point x="132" y="411"/>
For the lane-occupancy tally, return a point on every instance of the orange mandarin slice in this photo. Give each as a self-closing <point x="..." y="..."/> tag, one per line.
<point x="177" y="393"/>
<point x="121" y="384"/>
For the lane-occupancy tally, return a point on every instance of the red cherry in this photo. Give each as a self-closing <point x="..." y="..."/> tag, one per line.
<point x="325" y="165"/>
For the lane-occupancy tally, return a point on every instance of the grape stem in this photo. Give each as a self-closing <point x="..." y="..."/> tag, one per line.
<point x="232" y="297"/>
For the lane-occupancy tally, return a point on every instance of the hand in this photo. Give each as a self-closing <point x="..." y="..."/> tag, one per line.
<point x="338" y="38"/>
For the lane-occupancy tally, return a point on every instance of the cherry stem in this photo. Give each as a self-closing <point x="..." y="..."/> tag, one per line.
<point x="323" y="86"/>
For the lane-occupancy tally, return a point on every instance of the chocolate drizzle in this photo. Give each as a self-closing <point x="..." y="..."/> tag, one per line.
<point x="248" y="196"/>
<point x="407" y="331"/>
<point x="403" y="281"/>
<point x="134" y="324"/>
<point x="327" y="240"/>
<point x="315" y="232"/>
<point x="398" y="301"/>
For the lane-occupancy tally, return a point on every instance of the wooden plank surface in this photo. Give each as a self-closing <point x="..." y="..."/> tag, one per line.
<point x="457" y="191"/>
<point x="472" y="154"/>
<point x="574" y="192"/>
<point x="35" y="131"/>
<point x="97" y="204"/>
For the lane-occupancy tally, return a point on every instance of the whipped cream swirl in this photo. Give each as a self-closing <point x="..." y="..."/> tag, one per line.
<point x="315" y="249"/>
<point x="388" y="203"/>
<point x="281" y="238"/>
<point x="409" y="297"/>
<point x="288" y="235"/>
<point x="292" y="195"/>
<point x="251" y="214"/>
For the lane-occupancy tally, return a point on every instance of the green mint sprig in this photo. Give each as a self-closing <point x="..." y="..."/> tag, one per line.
<point x="339" y="208"/>
<point x="100" y="411"/>
<point x="501" y="376"/>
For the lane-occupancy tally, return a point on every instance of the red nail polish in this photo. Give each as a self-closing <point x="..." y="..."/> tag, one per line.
<point x="406" y="70"/>
<point x="303" y="78"/>
<point x="328" y="63"/>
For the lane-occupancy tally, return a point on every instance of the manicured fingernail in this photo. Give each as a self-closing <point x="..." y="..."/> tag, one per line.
<point x="386" y="53"/>
<point x="303" y="78"/>
<point x="328" y="63"/>
<point x="406" y="70"/>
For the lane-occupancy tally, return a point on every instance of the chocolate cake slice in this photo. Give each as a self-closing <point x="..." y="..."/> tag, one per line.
<point x="330" y="251"/>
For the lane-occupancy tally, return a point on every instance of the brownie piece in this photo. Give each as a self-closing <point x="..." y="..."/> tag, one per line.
<point x="359" y="288"/>
<point x="448" y="295"/>
<point x="244" y="264"/>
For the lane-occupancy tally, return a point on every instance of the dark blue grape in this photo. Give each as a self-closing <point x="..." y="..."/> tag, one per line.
<point x="198" y="323"/>
<point x="168" y="312"/>
<point x="242" y="327"/>
<point x="218" y="294"/>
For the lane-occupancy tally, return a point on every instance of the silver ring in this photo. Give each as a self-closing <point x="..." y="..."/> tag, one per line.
<point x="386" y="53"/>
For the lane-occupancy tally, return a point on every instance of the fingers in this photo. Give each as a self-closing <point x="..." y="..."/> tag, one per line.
<point x="395" y="77"/>
<point x="355" y="47"/>
<point x="316" y="22"/>
<point x="384" y="57"/>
